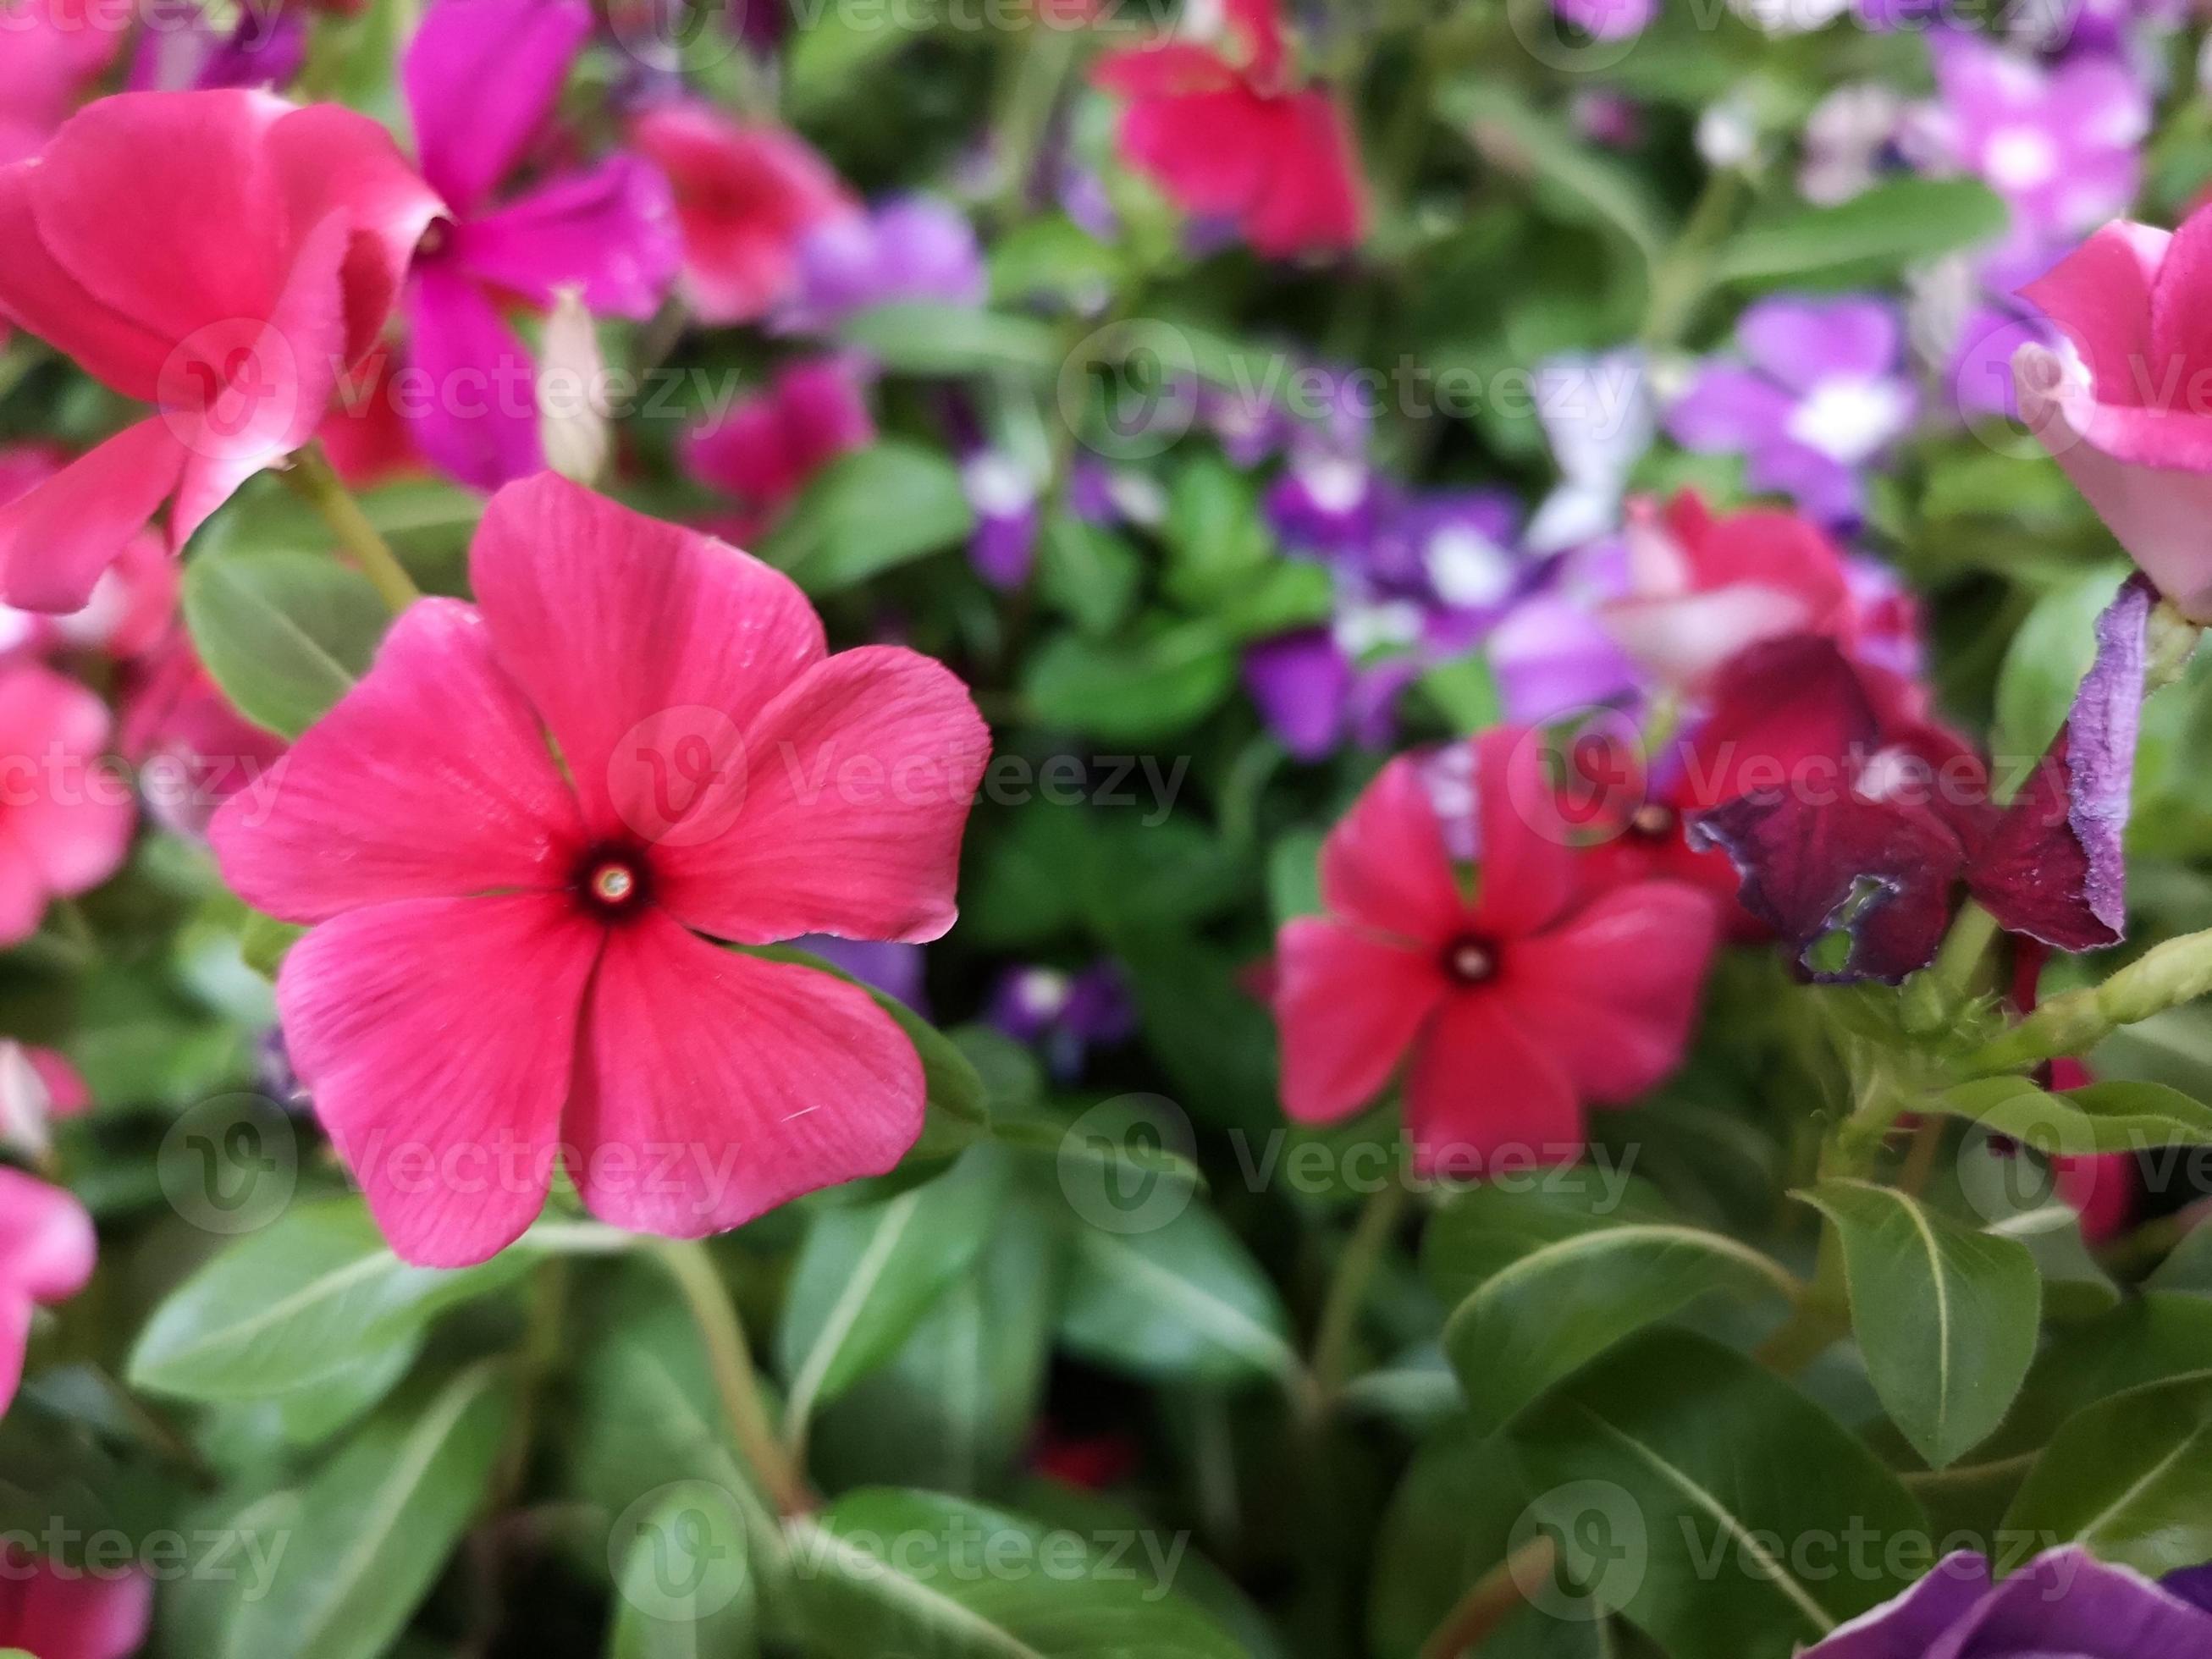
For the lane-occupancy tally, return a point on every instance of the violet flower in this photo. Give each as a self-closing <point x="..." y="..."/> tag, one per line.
<point x="1597" y="415"/>
<point x="181" y="51"/>
<point x="1065" y="1015"/>
<point x="1002" y="493"/>
<point x="909" y="249"/>
<point x="1609" y="20"/>
<point x="1821" y="395"/>
<point x="481" y="80"/>
<point x="894" y="970"/>
<point x="2063" y="1603"/>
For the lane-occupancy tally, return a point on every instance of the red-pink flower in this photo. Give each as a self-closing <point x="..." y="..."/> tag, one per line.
<point x="744" y="196"/>
<point x="763" y="450"/>
<point x="64" y="818"/>
<point x="55" y="50"/>
<point x="72" y="1613"/>
<point x="1227" y="132"/>
<point x="37" y="1086"/>
<point x="507" y="964"/>
<point x="1705" y="587"/>
<point x="1509" y="1009"/>
<point x="193" y="751"/>
<point x="132" y="604"/>
<point x="2128" y="412"/>
<point x="47" y="1251"/>
<point x="221" y="255"/>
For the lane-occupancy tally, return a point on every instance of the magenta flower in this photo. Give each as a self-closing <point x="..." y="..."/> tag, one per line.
<point x="64" y="821"/>
<point x="482" y="78"/>
<point x="2065" y="1602"/>
<point x="54" y="54"/>
<point x="761" y="453"/>
<point x="71" y="1612"/>
<point x="913" y="249"/>
<point x="47" y="1251"/>
<point x="1822" y="393"/>
<point x="508" y="965"/>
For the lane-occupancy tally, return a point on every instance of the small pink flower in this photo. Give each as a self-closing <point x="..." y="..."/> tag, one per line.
<point x="71" y="1612"/>
<point x="221" y="255"/>
<point x="1702" y="588"/>
<point x="745" y="196"/>
<point x="765" y="450"/>
<point x="65" y="819"/>
<point x="192" y="750"/>
<point x="56" y="50"/>
<point x="132" y="604"/>
<point x="507" y="966"/>
<point x="47" y="1251"/>
<point x="37" y="1086"/>
<point x="1227" y="133"/>
<point x="1510" y="1009"/>
<point x="2127" y="410"/>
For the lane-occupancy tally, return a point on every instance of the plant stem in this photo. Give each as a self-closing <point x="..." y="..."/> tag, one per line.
<point x="1347" y="1289"/>
<point x="319" y="485"/>
<point x="1491" y="1600"/>
<point x="731" y="1363"/>
<point x="1678" y="282"/>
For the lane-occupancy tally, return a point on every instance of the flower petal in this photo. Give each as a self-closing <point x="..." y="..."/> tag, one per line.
<point x="56" y="540"/>
<point x="713" y="1086"/>
<point x="1385" y="866"/>
<point x="437" y="1037"/>
<point x="430" y="779"/>
<point x="482" y="78"/>
<point x="610" y="231"/>
<point x="845" y="813"/>
<point x="1348" y="1005"/>
<point x="649" y="650"/>
<point x="1484" y="1095"/>
<point x="39" y="295"/>
<point x="1525" y="862"/>
<point x="1802" y="342"/>
<point x="1612" y="991"/>
<point x="2100" y="296"/>
<point x="1910" y="1626"/>
<point x="480" y="421"/>
<point x="47" y="1246"/>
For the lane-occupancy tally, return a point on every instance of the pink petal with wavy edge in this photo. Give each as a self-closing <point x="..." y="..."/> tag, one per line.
<point x="437" y="1036"/>
<point x="2100" y="296"/>
<point x="1384" y="866"/>
<point x="477" y="416"/>
<point x="56" y="540"/>
<point x="1348" y="1006"/>
<point x="1311" y="199"/>
<point x="430" y="779"/>
<point x="846" y="815"/>
<point x="80" y="1616"/>
<point x="712" y="1086"/>
<point x="47" y="1246"/>
<point x="1483" y="1095"/>
<point x="1525" y="871"/>
<point x="648" y="649"/>
<point x="39" y="295"/>
<point x="1613" y="990"/>
<point x="610" y="231"/>
<point x="482" y="78"/>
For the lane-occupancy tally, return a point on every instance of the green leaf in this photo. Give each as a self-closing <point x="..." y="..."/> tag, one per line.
<point x="2049" y="652"/>
<point x="917" y="338"/>
<point x="685" y="1587"/>
<point x="375" y="1524"/>
<point x="312" y="1295"/>
<point x="1213" y="533"/>
<point x="868" y="1274"/>
<point x="284" y="634"/>
<point x="1294" y="876"/>
<point x="884" y="1571"/>
<point x="870" y="512"/>
<point x="2102" y="1117"/>
<point x="1945" y="1316"/>
<point x="1689" y="1461"/>
<point x="1131" y="691"/>
<point x="2125" y="1479"/>
<point x="1874" y="235"/>
<point x="2149" y="1338"/>
<point x="1583" y="182"/>
<point x="1546" y="1299"/>
<point x="1183" y="1300"/>
<point x="1088" y="574"/>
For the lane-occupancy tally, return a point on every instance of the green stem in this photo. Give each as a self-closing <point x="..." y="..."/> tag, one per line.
<point x="319" y="485"/>
<point x="1347" y="1289"/>
<point x="731" y="1363"/>
<point x="1678" y="282"/>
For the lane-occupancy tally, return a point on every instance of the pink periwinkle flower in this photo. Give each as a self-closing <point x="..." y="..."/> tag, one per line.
<point x="64" y="818"/>
<point x="510" y="961"/>
<point x="1509" y="1004"/>
<point x="745" y="194"/>
<point x="130" y="606"/>
<point x="47" y="1252"/>
<point x="192" y="749"/>
<point x="763" y="450"/>
<point x="482" y="77"/>
<point x="221" y="255"/>
<point x="56" y="1611"/>
<point x="2127" y="408"/>
<point x="56" y="50"/>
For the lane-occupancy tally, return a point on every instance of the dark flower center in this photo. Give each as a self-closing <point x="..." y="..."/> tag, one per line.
<point x="612" y="881"/>
<point x="1471" y="961"/>
<point x="1652" y="822"/>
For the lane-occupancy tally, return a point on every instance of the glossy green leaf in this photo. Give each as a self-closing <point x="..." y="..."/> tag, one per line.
<point x="2049" y="652"/>
<point x="2126" y="1479"/>
<point x="1580" y="180"/>
<point x="867" y="513"/>
<point x="2103" y="1117"/>
<point x="885" y="1571"/>
<point x="913" y="337"/>
<point x="1683" y="1481"/>
<point x="1132" y="692"/>
<point x="316" y="1293"/>
<point x="685" y="1588"/>
<point x="1873" y="235"/>
<point x="1176" y="1298"/>
<point x="284" y="634"/>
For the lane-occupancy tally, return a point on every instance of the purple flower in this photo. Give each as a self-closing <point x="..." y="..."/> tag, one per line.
<point x="1596" y="414"/>
<point x="1609" y="20"/>
<point x="912" y="248"/>
<point x="181" y="51"/>
<point x="1002" y="493"/>
<point x="1820" y="396"/>
<point x="1066" y="1015"/>
<point x="2062" y="1603"/>
<point x="894" y="969"/>
<point x="481" y="80"/>
<point x="1850" y="140"/>
<point x="2062" y="145"/>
